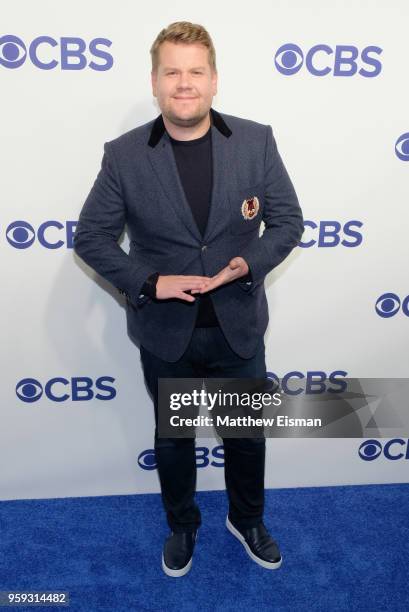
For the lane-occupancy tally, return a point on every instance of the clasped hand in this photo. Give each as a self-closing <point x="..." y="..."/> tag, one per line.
<point x="177" y="285"/>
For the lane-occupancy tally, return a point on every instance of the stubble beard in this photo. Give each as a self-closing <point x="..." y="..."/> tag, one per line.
<point x="182" y="122"/>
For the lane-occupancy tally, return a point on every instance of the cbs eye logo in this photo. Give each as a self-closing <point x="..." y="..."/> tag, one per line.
<point x="20" y="234"/>
<point x="147" y="459"/>
<point x="69" y="50"/>
<point x="29" y="390"/>
<point x="321" y="60"/>
<point x="389" y="304"/>
<point x="402" y="147"/>
<point x="370" y="450"/>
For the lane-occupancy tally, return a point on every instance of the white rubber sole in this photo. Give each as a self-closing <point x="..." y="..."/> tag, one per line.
<point x="265" y="564"/>
<point x="179" y="572"/>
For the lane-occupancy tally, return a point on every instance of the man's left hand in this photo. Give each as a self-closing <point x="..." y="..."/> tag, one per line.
<point x="236" y="268"/>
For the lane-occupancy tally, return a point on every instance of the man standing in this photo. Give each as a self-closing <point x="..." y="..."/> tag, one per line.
<point x="193" y="187"/>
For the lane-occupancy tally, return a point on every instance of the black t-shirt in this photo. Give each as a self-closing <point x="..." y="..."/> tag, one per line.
<point x="195" y="167"/>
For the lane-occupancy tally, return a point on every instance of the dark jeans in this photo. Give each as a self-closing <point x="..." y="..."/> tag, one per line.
<point x="208" y="355"/>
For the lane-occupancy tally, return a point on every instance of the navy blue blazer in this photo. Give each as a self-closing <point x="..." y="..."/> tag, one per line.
<point x="138" y="186"/>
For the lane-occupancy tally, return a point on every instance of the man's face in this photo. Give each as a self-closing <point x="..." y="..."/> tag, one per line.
<point x="184" y="83"/>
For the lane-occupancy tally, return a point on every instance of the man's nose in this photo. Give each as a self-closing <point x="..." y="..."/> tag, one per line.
<point x="184" y="81"/>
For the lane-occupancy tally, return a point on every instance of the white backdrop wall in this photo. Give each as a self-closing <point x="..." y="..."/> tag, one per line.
<point x="344" y="139"/>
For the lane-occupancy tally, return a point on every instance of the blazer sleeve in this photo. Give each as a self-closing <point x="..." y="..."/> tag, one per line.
<point x="282" y="216"/>
<point x="100" y="224"/>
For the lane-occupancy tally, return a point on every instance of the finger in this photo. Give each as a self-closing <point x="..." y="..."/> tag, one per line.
<point x="215" y="283"/>
<point x="206" y="289"/>
<point x="234" y="263"/>
<point x="223" y="277"/>
<point x="185" y="296"/>
<point x="184" y="284"/>
<point x="194" y="279"/>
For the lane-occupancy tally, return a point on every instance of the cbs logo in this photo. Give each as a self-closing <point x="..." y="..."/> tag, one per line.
<point x="320" y="60"/>
<point x="21" y="235"/>
<point x="332" y="234"/>
<point x="58" y="389"/>
<point x="314" y="381"/>
<point x="204" y="457"/>
<point x="392" y="450"/>
<point x="43" y="51"/>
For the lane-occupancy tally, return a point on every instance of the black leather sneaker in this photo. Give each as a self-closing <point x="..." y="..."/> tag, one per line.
<point x="177" y="553"/>
<point x="259" y="545"/>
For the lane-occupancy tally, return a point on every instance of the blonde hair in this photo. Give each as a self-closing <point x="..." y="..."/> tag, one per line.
<point x="187" y="33"/>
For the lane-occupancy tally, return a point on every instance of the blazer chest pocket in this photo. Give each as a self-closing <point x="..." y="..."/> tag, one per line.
<point x="246" y="208"/>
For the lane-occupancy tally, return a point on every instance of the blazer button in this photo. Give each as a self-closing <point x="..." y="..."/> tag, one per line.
<point x="204" y="247"/>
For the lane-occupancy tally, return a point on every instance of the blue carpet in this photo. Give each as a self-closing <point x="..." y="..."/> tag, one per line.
<point x="343" y="548"/>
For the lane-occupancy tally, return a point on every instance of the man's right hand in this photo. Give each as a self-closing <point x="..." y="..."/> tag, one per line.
<point x="175" y="286"/>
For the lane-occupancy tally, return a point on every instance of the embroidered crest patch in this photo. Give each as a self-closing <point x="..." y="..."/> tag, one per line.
<point x="250" y="207"/>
